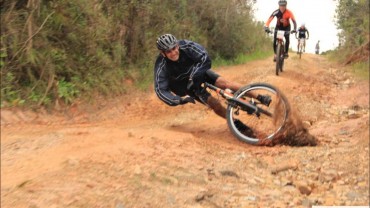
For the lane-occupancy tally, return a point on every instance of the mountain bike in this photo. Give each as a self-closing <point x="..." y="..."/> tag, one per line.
<point x="280" y="49"/>
<point x="301" y="42"/>
<point x="263" y="122"/>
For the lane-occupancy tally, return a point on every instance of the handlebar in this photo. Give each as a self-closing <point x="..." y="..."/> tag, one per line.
<point x="285" y="32"/>
<point x="301" y="38"/>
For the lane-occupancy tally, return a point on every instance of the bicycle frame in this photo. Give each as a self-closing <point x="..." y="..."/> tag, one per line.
<point x="280" y="37"/>
<point x="231" y="100"/>
<point x="301" y="42"/>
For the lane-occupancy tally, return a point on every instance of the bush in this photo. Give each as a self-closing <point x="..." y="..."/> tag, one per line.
<point x="69" y="49"/>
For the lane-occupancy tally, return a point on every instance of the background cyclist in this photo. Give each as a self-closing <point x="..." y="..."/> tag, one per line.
<point x="317" y="47"/>
<point x="302" y="35"/>
<point x="283" y="16"/>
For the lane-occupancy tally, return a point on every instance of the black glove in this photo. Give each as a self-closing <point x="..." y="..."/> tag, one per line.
<point x="293" y="31"/>
<point x="187" y="100"/>
<point x="266" y="29"/>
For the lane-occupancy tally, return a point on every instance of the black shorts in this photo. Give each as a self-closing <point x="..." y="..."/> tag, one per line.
<point x="179" y="87"/>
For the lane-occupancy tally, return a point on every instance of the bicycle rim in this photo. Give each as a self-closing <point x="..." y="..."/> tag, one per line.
<point x="264" y="127"/>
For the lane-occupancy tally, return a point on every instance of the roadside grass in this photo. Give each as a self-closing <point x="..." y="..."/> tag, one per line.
<point x="360" y="70"/>
<point x="241" y="59"/>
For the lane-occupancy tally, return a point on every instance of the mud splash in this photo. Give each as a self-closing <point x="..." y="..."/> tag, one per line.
<point x="294" y="133"/>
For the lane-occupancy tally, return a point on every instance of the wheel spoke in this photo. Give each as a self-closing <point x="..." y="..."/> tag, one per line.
<point x="263" y="126"/>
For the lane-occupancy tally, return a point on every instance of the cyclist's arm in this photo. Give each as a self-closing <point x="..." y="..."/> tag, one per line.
<point x="293" y="20"/>
<point x="161" y="84"/>
<point x="201" y="58"/>
<point x="271" y="18"/>
<point x="308" y="34"/>
<point x="295" y="24"/>
<point x="269" y="21"/>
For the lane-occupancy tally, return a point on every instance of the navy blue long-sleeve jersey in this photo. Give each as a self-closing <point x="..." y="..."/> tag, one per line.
<point x="192" y="64"/>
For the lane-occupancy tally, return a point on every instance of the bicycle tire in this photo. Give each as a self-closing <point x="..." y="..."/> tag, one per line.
<point x="278" y="59"/>
<point x="282" y="58"/>
<point x="264" y="127"/>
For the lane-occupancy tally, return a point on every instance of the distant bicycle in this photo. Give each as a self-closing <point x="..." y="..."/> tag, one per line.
<point x="301" y="43"/>
<point x="280" y="49"/>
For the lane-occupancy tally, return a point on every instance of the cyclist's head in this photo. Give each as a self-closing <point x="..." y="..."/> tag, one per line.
<point x="168" y="45"/>
<point x="303" y="25"/>
<point x="166" y="42"/>
<point x="283" y="2"/>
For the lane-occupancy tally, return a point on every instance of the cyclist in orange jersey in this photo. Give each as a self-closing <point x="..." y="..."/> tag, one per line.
<point x="283" y="16"/>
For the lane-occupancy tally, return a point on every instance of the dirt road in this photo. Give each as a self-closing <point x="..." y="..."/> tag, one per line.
<point x="137" y="152"/>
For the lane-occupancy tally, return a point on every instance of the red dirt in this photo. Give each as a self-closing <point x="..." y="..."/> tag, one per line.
<point x="134" y="151"/>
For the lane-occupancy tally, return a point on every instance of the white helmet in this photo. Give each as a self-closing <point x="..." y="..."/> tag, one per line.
<point x="303" y="25"/>
<point x="283" y="2"/>
<point x="166" y="42"/>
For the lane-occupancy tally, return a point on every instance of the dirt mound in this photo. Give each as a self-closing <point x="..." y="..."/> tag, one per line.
<point x="361" y="54"/>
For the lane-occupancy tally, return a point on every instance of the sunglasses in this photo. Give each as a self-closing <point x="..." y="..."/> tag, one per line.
<point x="170" y="50"/>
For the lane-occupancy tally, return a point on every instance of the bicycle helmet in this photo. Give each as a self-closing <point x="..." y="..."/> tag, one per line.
<point x="303" y="25"/>
<point x="166" y="42"/>
<point x="283" y="2"/>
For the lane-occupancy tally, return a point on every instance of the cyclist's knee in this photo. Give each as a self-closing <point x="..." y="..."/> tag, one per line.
<point x="216" y="106"/>
<point x="222" y="83"/>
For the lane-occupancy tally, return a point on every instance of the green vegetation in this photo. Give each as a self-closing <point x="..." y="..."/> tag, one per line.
<point x="353" y="21"/>
<point x="63" y="50"/>
<point x="242" y="58"/>
<point x="361" y="70"/>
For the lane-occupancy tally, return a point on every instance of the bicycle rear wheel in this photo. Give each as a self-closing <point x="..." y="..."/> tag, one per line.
<point x="269" y="124"/>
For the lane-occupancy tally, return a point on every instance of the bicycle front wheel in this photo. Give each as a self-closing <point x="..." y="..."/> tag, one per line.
<point x="268" y="124"/>
<point x="282" y="58"/>
<point x="278" y="59"/>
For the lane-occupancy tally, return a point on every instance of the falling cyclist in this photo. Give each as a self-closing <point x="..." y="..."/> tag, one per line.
<point x="180" y="70"/>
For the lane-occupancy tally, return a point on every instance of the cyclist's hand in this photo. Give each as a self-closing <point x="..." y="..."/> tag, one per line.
<point x="293" y="31"/>
<point x="267" y="30"/>
<point x="187" y="100"/>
